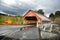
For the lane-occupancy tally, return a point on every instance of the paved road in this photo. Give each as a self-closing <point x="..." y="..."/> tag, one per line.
<point x="15" y="32"/>
<point x="26" y="34"/>
<point x="8" y="29"/>
<point x="29" y="33"/>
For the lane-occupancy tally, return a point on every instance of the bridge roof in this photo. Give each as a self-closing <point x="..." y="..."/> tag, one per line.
<point x="43" y="17"/>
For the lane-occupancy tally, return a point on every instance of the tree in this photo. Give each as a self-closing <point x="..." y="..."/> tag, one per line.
<point x="57" y="13"/>
<point x="40" y="11"/>
<point x="52" y="17"/>
<point x="0" y="18"/>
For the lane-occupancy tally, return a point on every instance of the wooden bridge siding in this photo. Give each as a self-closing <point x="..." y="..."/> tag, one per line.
<point x="31" y="13"/>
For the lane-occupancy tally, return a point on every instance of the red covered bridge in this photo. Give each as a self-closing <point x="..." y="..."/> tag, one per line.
<point x="33" y="17"/>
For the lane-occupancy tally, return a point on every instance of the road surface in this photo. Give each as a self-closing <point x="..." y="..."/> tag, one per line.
<point x="15" y="32"/>
<point x="28" y="33"/>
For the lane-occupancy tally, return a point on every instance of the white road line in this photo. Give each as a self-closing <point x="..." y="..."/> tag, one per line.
<point x="13" y="32"/>
<point x="10" y="34"/>
<point x="3" y="32"/>
<point x="6" y="33"/>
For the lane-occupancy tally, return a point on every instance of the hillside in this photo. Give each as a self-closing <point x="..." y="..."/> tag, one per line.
<point x="11" y="20"/>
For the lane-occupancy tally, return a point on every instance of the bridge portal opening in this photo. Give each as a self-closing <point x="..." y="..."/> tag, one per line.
<point x="31" y="20"/>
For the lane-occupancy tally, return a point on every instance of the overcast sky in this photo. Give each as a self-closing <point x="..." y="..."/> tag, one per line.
<point x="20" y="7"/>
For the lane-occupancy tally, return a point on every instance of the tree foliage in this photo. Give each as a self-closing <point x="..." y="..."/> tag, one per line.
<point x="1" y="18"/>
<point x="40" y="11"/>
<point x="52" y="16"/>
<point x="5" y="19"/>
<point x="57" y="13"/>
<point x="56" y="17"/>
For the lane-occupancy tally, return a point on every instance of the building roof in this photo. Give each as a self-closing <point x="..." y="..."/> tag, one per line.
<point x="43" y="17"/>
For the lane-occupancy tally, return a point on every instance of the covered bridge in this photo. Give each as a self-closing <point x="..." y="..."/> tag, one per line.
<point x="33" y="17"/>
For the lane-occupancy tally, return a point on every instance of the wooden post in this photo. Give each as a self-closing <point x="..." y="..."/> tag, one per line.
<point x="37" y="24"/>
<point x="51" y="28"/>
<point x="44" y="28"/>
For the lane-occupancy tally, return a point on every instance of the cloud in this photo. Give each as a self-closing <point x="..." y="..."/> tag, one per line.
<point x="21" y="6"/>
<point x="9" y="2"/>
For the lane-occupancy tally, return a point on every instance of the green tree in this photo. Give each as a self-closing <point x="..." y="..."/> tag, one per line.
<point x="1" y="18"/>
<point x="57" y="13"/>
<point x="52" y="17"/>
<point x="40" y="11"/>
<point x="21" y="19"/>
